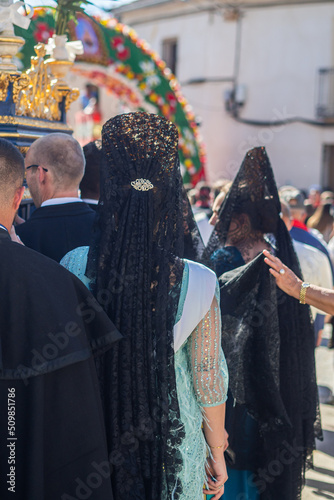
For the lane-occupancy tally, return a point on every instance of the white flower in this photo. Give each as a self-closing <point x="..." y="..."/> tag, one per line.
<point x="189" y="141"/>
<point x="150" y="75"/>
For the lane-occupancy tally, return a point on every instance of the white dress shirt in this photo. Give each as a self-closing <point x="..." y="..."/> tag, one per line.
<point x="60" y="201"/>
<point x="90" y="201"/>
<point x="315" y="268"/>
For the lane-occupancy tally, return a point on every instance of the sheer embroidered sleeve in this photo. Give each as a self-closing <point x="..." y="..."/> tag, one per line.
<point x="209" y="369"/>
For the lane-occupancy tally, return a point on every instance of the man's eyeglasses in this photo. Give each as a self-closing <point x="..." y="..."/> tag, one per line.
<point x="36" y="166"/>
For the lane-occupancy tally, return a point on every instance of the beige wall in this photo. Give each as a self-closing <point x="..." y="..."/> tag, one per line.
<point x="282" y="48"/>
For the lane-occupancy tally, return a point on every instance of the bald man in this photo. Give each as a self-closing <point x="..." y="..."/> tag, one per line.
<point x="55" y="165"/>
<point x="51" y="424"/>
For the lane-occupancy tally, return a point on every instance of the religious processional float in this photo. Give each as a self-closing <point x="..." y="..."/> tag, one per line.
<point x="35" y="102"/>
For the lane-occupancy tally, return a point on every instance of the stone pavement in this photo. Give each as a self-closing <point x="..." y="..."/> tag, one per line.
<point x="320" y="481"/>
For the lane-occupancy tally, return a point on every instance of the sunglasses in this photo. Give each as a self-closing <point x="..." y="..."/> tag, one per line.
<point x="36" y="166"/>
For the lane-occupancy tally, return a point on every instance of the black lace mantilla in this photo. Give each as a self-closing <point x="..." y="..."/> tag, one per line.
<point x="268" y="338"/>
<point x="145" y="228"/>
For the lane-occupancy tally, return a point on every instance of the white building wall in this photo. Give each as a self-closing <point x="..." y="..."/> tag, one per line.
<point x="282" y="48"/>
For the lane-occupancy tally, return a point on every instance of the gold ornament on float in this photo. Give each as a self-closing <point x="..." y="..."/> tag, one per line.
<point x="44" y="95"/>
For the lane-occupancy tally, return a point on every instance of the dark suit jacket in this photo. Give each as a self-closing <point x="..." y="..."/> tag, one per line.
<point x="56" y="229"/>
<point x="92" y="206"/>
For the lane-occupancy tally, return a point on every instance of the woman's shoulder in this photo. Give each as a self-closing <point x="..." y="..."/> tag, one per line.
<point x="199" y="287"/>
<point x="226" y="259"/>
<point x="75" y="261"/>
<point x="199" y="268"/>
<point x="228" y="253"/>
<point x="202" y="281"/>
<point x="75" y="257"/>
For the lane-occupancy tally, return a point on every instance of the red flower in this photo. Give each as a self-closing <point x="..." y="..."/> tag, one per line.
<point x="122" y="51"/>
<point x="171" y="98"/>
<point x="43" y="32"/>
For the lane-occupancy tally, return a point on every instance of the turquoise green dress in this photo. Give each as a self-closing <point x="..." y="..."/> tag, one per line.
<point x="201" y="378"/>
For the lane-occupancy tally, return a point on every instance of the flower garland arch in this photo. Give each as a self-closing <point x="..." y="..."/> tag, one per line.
<point x="127" y="67"/>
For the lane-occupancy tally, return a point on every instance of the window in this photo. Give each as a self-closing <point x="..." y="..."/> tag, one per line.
<point x="169" y="53"/>
<point x="325" y="103"/>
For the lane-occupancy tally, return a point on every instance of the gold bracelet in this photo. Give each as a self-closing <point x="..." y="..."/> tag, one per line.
<point x="216" y="447"/>
<point x="302" y="293"/>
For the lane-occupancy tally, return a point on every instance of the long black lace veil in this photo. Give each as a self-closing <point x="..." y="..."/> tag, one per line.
<point x="268" y="336"/>
<point x="145" y="228"/>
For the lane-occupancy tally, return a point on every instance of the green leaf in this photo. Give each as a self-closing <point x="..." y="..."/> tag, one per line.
<point x="66" y="11"/>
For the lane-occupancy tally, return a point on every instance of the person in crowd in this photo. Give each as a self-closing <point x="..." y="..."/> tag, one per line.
<point x="272" y="405"/>
<point x="300" y="232"/>
<point x="168" y="376"/>
<point x="52" y="431"/>
<point x="314" y="196"/>
<point x="202" y="210"/>
<point x="187" y="187"/>
<point x="331" y="243"/>
<point x="203" y="197"/>
<point x="327" y="197"/>
<point x="204" y="224"/>
<point x="322" y="220"/>
<point x="306" y="293"/>
<point x="55" y="165"/>
<point x="219" y="186"/>
<point x="191" y="193"/>
<point x="314" y="265"/>
<point x="218" y="201"/>
<point x="308" y="209"/>
<point x="90" y="184"/>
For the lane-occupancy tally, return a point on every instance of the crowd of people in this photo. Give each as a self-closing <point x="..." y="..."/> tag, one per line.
<point x="146" y="350"/>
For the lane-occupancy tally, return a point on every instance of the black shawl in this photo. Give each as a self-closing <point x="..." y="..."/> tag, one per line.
<point x="51" y="424"/>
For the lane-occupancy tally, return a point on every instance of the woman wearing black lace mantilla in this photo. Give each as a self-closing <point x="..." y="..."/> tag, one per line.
<point x="272" y="413"/>
<point x="168" y="374"/>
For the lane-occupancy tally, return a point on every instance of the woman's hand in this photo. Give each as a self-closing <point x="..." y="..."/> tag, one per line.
<point x="287" y="280"/>
<point x="216" y="468"/>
